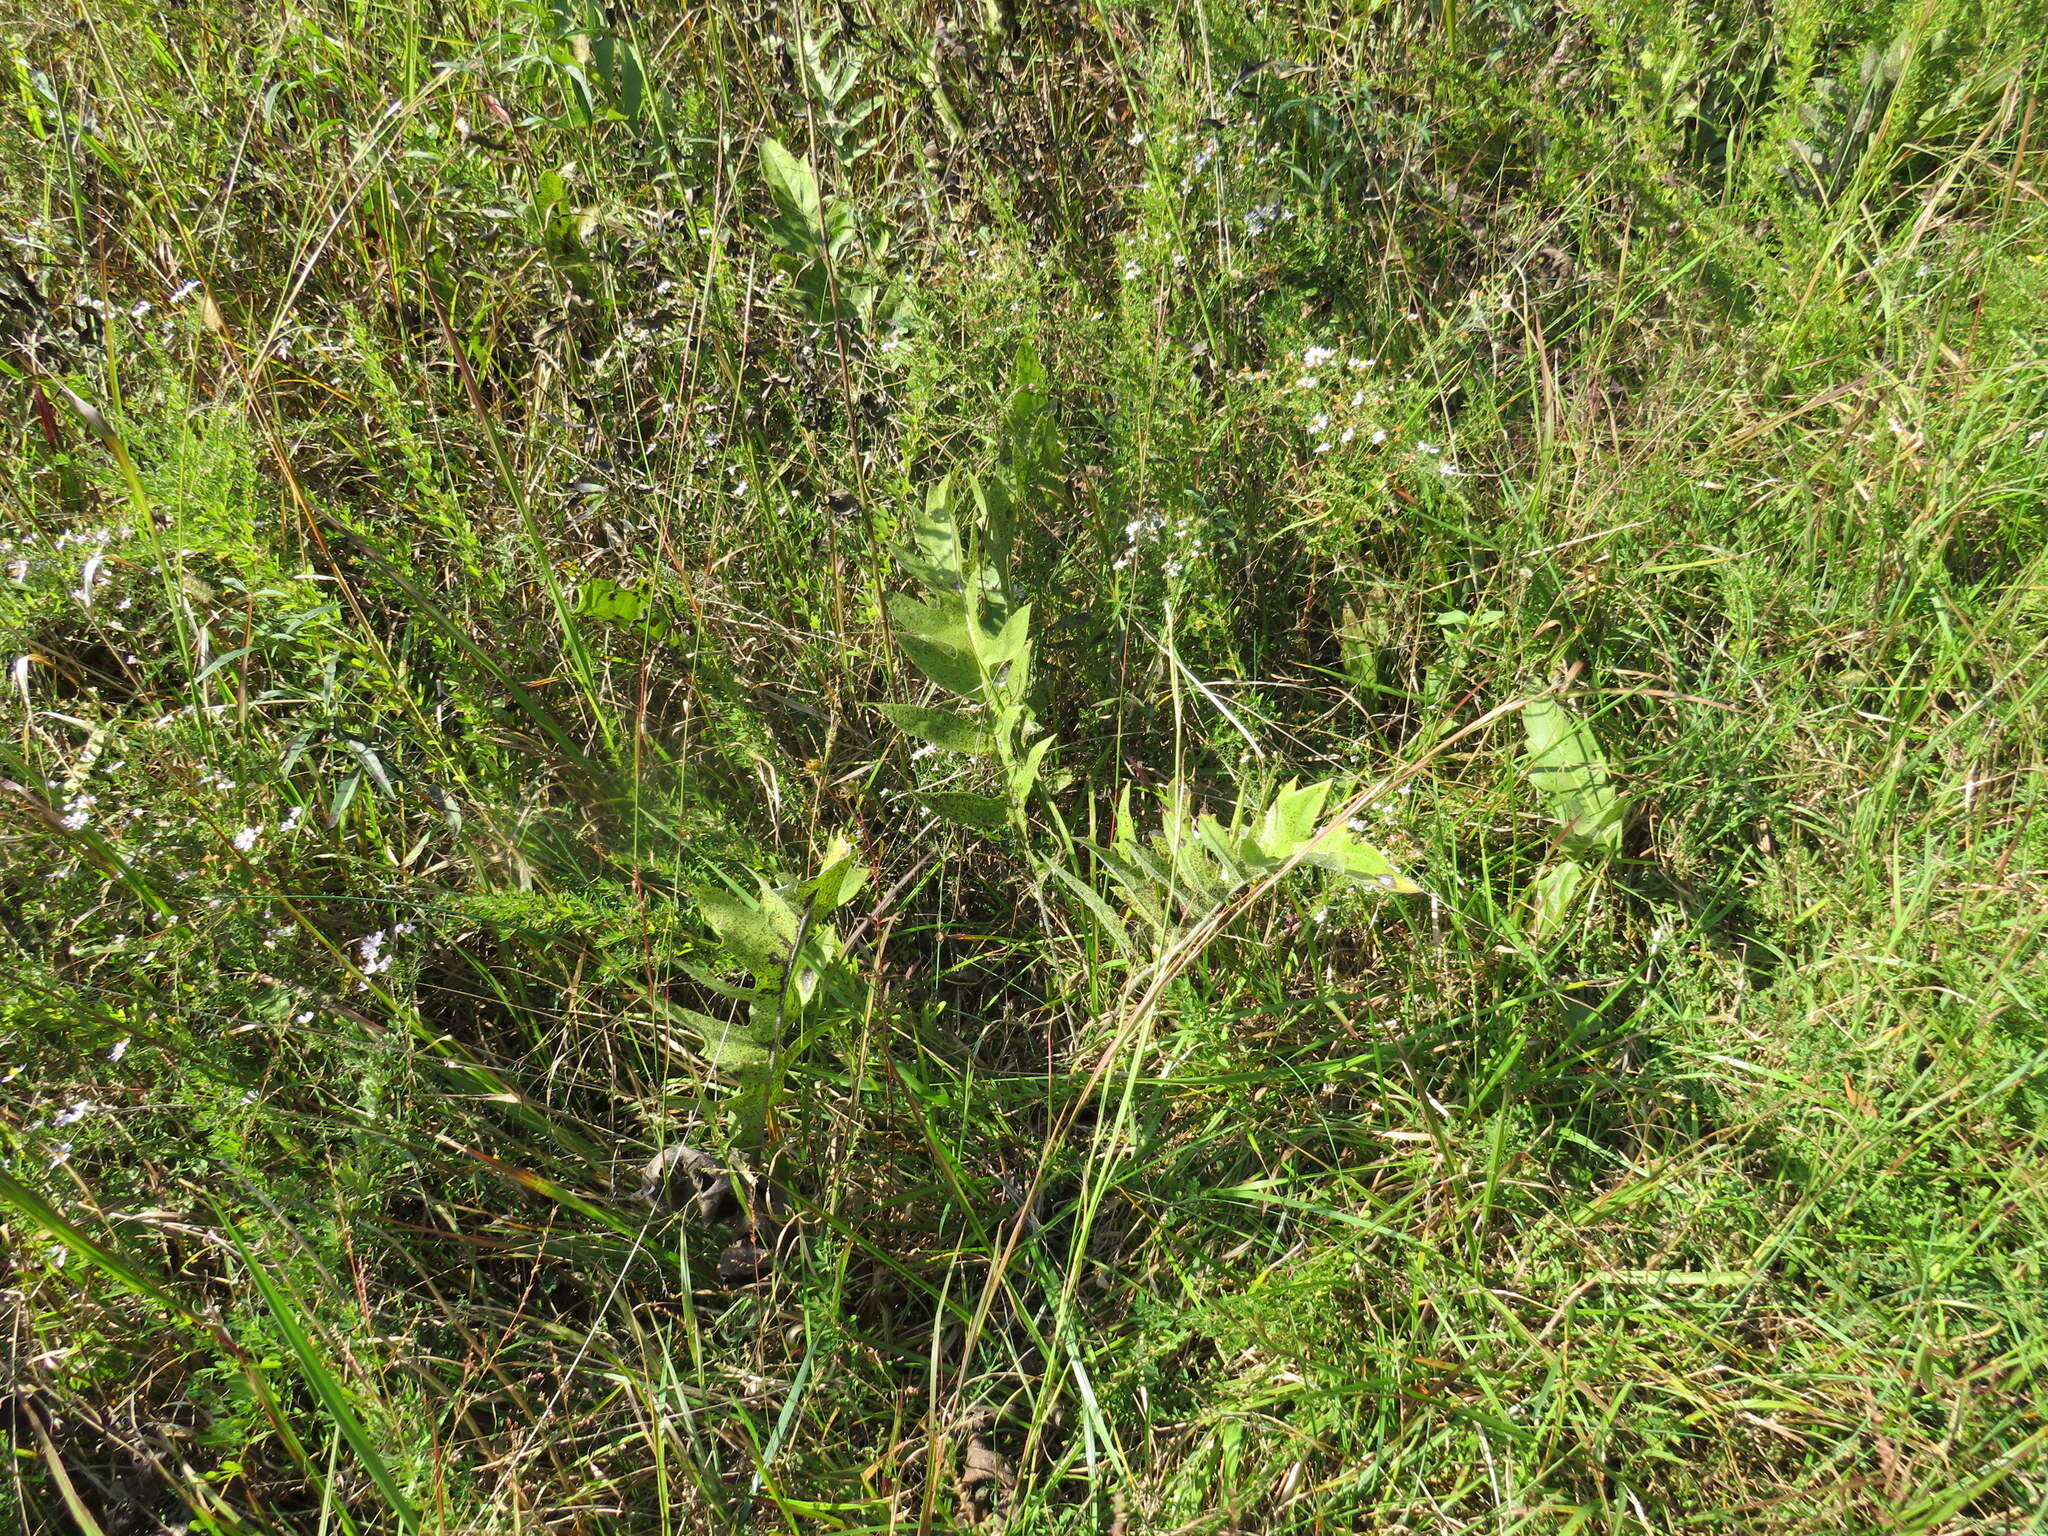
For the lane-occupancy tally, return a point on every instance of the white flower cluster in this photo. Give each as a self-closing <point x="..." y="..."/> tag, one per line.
<point x="1181" y="537"/>
<point x="370" y="956"/>
<point x="1262" y="218"/>
<point x="1340" y="423"/>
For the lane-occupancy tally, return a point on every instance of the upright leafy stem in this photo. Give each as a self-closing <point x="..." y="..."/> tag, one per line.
<point x="836" y="273"/>
<point x="966" y="636"/>
<point x="782" y="937"/>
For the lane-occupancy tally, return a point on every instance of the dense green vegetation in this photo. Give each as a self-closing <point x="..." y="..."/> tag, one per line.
<point x="1307" y="738"/>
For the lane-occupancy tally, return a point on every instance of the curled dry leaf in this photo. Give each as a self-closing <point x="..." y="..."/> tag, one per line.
<point x="683" y="1175"/>
<point x="986" y="1482"/>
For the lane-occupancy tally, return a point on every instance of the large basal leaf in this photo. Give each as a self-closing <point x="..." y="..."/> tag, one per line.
<point x="1550" y="898"/>
<point x="731" y="1047"/>
<point x="1291" y="819"/>
<point x="941" y="727"/>
<point x="1565" y="762"/>
<point x="1343" y="853"/>
<point x="795" y="189"/>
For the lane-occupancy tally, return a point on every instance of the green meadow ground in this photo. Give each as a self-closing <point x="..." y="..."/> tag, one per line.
<point x="582" y="579"/>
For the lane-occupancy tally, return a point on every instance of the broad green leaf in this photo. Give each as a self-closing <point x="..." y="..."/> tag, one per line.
<point x="786" y="919"/>
<point x="1007" y="644"/>
<point x="1025" y="774"/>
<point x="601" y="599"/>
<point x="982" y="813"/>
<point x="1342" y="853"/>
<point x="754" y="938"/>
<point x="709" y="979"/>
<point x="998" y="528"/>
<point x="731" y="1047"/>
<point x="934" y="637"/>
<point x="1125" y="834"/>
<point x="1550" y="898"/>
<point x="1030" y="435"/>
<point x="1205" y="869"/>
<point x="793" y="184"/>
<point x="1233" y="854"/>
<point x="1564" y="761"/>
<point x="1291" y="819"/>
<point x="936" y="556"/>
<point x="1142" y="882"/>
<point x="941" y="727"/>
<point x="838" y="880"/>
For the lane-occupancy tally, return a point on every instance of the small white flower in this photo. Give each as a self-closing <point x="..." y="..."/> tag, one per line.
<point x="1132" y="271"/>
<point x="1317" y="357"/>
<point x="119" y="1049"/>
<point x="246" y="838"/>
